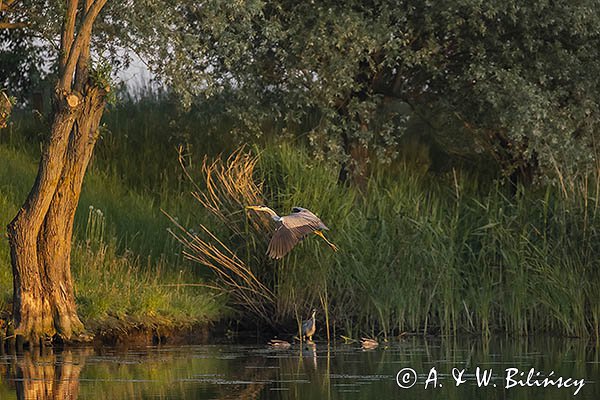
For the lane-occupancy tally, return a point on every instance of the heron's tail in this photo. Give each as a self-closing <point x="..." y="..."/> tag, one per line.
<point x="320" y="234"/>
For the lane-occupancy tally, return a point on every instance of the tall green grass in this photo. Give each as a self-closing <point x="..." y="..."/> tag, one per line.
<point x="449" y="253"/>
<point x="429" y="254"/>
<point x="127" y="269"/>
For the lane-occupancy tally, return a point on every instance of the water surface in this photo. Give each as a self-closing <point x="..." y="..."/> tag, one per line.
<point x="303" y="372"/>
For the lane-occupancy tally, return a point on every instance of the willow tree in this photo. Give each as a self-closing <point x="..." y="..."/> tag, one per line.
<point x="80" y="33"/>
<point x="514" y="81"/>
<point x="40" y="234"/>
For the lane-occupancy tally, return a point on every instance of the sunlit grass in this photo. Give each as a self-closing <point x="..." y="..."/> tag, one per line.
<point x="448" y="254"/>
<point x="127" y="269"/>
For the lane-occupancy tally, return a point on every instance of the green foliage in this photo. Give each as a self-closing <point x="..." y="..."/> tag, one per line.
<point x="516" y="81"/>
<point x="512" y="82"/>
<point x="426" y="254"/>
<point x="100" y="75"/>
<point x="21" y="63"/>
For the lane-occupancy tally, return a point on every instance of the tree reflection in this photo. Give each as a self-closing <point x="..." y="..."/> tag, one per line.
<point x="306" y="371"/>
<point x="42" y="374"/>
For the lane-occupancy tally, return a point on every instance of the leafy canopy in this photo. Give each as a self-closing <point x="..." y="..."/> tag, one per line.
<point x="514" y="80"/>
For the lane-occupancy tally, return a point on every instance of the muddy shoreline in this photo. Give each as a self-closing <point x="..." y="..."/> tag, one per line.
<point x="148" y="336"/>
<point x="119" y="336"/>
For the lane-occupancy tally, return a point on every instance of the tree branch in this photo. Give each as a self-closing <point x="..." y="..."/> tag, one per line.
<point x="68" y="33"/>
<point x="6" y="6"/>
<point x="13" y="25"/>
<point x="85" y="33"/>
<point x="81" y="72"/>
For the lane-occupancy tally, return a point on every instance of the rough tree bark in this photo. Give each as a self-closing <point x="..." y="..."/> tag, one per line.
<point x="5" y="109"/>
<point x="40" y="234"/>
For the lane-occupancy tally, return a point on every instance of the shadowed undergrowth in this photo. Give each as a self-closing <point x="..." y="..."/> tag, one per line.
<point x="417" y="252"/>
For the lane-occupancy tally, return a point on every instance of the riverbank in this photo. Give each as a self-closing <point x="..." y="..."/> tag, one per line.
<point x="128" y="271"/>
<point x="446" y="253"/>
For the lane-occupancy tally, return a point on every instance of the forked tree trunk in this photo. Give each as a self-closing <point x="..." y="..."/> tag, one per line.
<point x="54" y="240"/>
<point x="32" y="312"/>
<point x="40" y="234"/>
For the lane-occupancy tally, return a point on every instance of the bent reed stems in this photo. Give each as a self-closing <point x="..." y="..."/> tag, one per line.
<point x="420" y="254"/>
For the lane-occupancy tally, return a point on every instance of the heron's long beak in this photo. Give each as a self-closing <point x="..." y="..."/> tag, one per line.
<point x="255" y="208"/>
<point x="333" y="246"/>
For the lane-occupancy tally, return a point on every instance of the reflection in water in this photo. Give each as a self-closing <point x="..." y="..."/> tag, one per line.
<point x="309" y="353"/>
<point x="44" y="375"/>
<point x="306" y="371"/>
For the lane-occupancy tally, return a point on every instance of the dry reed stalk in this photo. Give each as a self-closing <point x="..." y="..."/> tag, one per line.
<point x="229" y="187"/>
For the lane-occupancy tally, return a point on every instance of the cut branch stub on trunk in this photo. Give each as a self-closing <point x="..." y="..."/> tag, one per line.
<point x="72" y="100"/>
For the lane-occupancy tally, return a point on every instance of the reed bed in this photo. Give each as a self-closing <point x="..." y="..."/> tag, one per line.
<point x="418" y="253"/>
<point x="448" y="253"/>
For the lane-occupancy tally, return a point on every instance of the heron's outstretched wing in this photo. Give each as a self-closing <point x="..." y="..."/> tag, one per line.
<point x="293" y="228"/>
<point x="281" y="243"/>
<point x="303" y="217"/>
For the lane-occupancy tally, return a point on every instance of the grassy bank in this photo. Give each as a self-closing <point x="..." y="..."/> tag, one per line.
<point x="127" y="269"/>
<point x="443" y="253"/>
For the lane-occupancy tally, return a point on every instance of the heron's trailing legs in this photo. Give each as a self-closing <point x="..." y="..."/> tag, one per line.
<point x="320" y="234"/>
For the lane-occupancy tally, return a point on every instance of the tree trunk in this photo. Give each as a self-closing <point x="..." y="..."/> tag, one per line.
<point x="32" y="313"/>
<point x="40" y="235"/>
<point x="5" y="109"/>
<point x="54" y="244"/>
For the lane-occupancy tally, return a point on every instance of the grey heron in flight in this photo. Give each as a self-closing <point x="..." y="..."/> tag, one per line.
<point x="291" y="229"/>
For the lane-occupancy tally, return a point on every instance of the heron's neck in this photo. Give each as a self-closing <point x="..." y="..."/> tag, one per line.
<point x="273" y="215"/>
